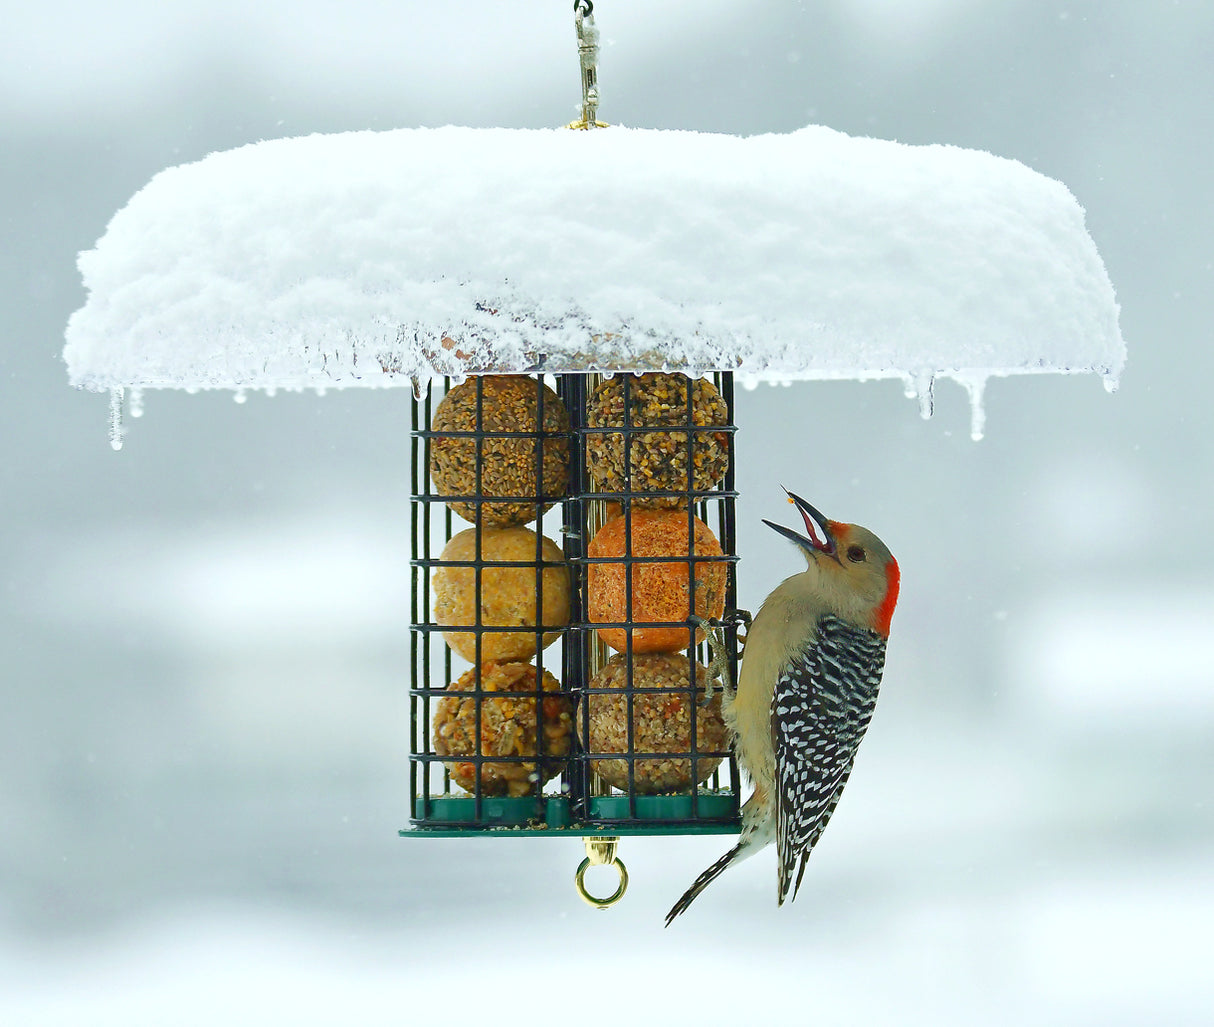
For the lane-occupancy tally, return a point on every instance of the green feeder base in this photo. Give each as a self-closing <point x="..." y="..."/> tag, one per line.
<point x="448" y="816"/>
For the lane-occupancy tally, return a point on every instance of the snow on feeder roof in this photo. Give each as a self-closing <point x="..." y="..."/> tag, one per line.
<point x="391" y="258"/>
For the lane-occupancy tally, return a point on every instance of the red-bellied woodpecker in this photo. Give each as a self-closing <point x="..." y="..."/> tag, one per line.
<point x="806" y="691"/>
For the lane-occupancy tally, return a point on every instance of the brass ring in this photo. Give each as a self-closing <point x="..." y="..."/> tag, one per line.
<point x="611" y="899"/>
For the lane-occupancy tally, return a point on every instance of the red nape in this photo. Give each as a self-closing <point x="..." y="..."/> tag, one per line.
<point x="885" y="612"/>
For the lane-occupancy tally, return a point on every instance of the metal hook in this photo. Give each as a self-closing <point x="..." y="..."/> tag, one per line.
<point x="600" y="851"/>
<point x="588" y="56"/>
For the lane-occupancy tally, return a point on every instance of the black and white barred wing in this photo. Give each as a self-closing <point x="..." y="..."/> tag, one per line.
<point x="821" y="707"/>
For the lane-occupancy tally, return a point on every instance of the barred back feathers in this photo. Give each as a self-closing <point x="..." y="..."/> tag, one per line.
<point x="822" y="704"/>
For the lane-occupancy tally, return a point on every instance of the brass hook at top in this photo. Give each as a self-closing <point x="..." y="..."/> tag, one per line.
<point x="600" y="851"/>
<point x="588" y="57"/>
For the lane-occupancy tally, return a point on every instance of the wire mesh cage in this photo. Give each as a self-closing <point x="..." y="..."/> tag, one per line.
<point x="635" y="476"/>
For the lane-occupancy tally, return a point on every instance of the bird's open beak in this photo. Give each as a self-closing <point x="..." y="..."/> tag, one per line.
<point x="818" y="536"/>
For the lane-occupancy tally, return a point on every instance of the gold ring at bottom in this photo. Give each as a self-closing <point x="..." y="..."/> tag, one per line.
<point x="611" y="899"/>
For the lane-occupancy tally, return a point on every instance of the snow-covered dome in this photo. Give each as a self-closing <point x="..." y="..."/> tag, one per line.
<point x="386" y="258"/>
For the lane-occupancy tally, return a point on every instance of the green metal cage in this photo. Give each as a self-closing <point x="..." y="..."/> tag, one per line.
<point x="484" y="790"/>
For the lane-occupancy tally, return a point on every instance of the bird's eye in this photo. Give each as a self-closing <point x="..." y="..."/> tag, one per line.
<point x="856" y="554"/>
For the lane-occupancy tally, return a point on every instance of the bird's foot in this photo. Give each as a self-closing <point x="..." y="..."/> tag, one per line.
<point x="718" y="666"/>
<point x="743" y="618"/>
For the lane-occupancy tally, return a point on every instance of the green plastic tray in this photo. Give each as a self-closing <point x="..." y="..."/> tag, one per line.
<point x="455" y="816"/>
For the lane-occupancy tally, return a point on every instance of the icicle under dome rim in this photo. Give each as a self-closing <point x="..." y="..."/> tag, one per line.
<point x="376" y="259"/>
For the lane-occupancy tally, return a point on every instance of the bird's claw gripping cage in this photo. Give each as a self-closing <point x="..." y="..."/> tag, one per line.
<point x="630" y="744"/>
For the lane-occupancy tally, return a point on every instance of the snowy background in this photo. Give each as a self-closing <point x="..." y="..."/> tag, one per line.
<point x="202" y="745"/>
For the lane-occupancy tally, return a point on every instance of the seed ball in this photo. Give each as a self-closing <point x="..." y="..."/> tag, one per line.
<point x="661" y="723"/>
<point x="657" y="459"/>
<point x="509" y="403"/>
<point x="508" y="595"/>
<point x="659" y="590"/>
<point x="508" y="727"/>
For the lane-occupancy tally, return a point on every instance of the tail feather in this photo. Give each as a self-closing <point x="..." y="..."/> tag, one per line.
<point x="703" y="881"/>
<point x="758" y="831"/>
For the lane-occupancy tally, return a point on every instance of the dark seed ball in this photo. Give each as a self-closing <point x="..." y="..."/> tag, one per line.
<point x="658" y="459"/>
<point x="661" y="723"/>
<point x="509" y="403"/>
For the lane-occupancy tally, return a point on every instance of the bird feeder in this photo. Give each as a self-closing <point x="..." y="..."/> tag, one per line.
<point x="571" y="311"/>
<point x="638" y="473"/>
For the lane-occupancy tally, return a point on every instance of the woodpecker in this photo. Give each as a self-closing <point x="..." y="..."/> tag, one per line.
<point x="811" y="668"/>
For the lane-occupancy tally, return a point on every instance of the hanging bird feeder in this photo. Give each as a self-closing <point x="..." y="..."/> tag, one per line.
<point x="572" y="310"/>
<point x="621" y="734"/>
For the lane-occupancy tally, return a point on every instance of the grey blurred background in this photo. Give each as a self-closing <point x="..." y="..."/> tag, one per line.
<point x="203" y="740"/>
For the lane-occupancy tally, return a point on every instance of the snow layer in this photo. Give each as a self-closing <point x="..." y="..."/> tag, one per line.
<point x="384" y="258"/>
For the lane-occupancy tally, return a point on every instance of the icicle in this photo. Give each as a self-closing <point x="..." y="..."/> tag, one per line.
<point x="421" y="386"/>
<point x="925" y="389"/>
<point x="908" y="387"/>
<point x="240" y="396"/>
<point x="1111" y="383"/>
<point x="976" y="387"/>
<point x="271" y="391"/>
<point x="116" y="418"/>
<point x="135" y="403"/>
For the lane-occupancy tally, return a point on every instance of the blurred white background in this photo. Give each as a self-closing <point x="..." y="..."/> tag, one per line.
<point x="203" y="742"/>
